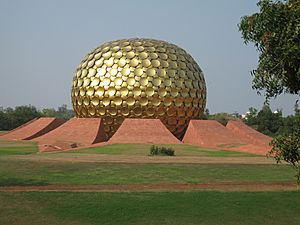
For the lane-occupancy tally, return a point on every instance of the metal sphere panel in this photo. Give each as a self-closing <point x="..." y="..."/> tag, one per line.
<point x="139" y="78"/>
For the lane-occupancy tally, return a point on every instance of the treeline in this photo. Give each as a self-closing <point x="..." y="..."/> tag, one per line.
<point x="264" y="120"/>
<point x="273" y="123"/>
<point x="11" y="118"/>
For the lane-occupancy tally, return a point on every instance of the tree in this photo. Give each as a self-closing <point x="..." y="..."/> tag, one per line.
<point x="291" y="123"/>
<point x="275" y="31"/>
<point x="61" y="112"/>
<point x="64" y="112"/>
<point x="11" y="118"/>
<point x="206" y="114"/>
<point x="22" y="114"/>
<point x="286" y="148"/>
<point x="49" y="112"/>
<point x="268" y="122"/>
<point x="223" y="117"/>
<point x="251" y="117"/>
<point x="265" y="120"/>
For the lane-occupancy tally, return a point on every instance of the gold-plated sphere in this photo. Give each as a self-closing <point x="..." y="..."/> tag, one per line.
<point x="139" y="78"/>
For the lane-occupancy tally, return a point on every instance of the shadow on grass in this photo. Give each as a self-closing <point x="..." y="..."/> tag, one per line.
<point x="21" y="182"/>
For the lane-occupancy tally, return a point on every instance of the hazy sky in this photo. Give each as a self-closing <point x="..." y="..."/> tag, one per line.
<point x="42" y="42"/>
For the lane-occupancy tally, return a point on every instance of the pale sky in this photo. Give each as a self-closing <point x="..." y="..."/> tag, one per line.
<point x="42" y="42"/>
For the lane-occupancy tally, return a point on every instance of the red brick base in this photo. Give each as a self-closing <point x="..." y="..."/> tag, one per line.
<point x="143" y="131"/>
<point x="77" y="132"/>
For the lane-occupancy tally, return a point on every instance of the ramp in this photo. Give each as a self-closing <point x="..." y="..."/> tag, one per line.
<point x="253" y="149"/>
<point x="242" y="130"/>
<point x="210" y="133"/>
<point x="33" y="129"/>
<point x="143" y="131"/>
<point x="77" y="132"/>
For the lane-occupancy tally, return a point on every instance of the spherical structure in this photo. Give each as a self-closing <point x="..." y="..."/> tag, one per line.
<point x="139" y="78"/>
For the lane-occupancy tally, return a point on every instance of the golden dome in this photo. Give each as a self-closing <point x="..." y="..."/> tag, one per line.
<point x="139" y="78"/>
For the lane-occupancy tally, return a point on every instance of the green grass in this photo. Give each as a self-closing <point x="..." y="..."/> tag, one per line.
<point x="13" y="172"/>
<point x="17" y="148"/>
<point x="140" y="149"/>
<point x="176" y="208"/>
<point x="230" y="145"/>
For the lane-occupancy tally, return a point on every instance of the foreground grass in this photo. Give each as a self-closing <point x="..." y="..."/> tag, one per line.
<point x="17" y="148"/>
<point x="174" y="208"/>
<point x="141" y="149"/>
<point x="13" y="172"/>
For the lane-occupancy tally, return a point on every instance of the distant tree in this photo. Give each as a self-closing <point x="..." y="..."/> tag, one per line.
<point x="236" y="115"/>
<point x="251" y="117"/>
<point x="205" y="114"/>
<point x="267" y="121"/>
<point x="223" y="117"/>
<point x="64" y="112"/>
<point x="275" y="31"/>
<point x="49" y="112"/>
<point x="61" y="112"/>
<point x="11" y="118"/>
<point x="4" y="123"/>
<point x="291" y="123"/>
<point x="23" y="114"/>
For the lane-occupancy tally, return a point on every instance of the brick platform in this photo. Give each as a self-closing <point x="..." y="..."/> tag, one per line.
<point x="143" y="131"/>
<point x="236" y="136"/>
<point x="210" y="133"/>
<point x="53" y="134"/>
<point x="243" y="131"/>
<point x="77" y="132"/>
<point x="33" y="129"/>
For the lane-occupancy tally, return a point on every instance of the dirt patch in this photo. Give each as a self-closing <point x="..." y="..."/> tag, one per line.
<point x="226" y="187"/>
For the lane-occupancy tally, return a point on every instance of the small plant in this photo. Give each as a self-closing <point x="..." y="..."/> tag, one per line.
<point x="155" y="150"/>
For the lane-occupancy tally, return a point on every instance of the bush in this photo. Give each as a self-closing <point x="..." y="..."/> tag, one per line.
<point x="287" y="148"/>
<point x="155" y="150"/>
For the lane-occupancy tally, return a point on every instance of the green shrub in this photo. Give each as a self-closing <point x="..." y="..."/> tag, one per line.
<point x="155" y="150"/>
<point x="287" y="148"/>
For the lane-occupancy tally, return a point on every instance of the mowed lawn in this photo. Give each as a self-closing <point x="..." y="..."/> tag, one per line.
<point x="17" y="171"/>
<point x="147" y="208"/>
<point x="144" y="149"/>
<point x="13" y="172"/>
<point x="176" y="208"/>
<point x="17" y="147"/>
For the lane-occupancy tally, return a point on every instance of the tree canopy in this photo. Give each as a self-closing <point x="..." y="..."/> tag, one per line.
<point x="275" y="32"/>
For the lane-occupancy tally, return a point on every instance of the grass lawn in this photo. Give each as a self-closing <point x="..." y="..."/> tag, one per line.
<point x="170" y="208"/>
<point x="22" y="148"/>
<point x="14" y="172"/>
<point x="17" y="148"/>
<point x="186" y="208"/>
<point x="140" y="149"/>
